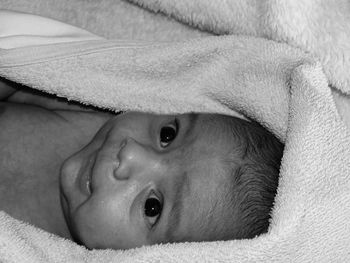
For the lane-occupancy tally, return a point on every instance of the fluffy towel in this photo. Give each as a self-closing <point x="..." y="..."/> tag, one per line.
<point x="321" y="27"/>
<point x="279" y="86"/>
<point x="112" y="19"/>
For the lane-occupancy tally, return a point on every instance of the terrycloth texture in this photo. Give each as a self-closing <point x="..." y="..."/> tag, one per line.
<point x="321" y="27"/>
<point x="272" y="83"/>
<point x="113" y="19"/>
<point x="275" y="84"/>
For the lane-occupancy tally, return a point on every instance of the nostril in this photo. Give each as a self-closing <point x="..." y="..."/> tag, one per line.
<point x="131" y="158"/>
<point x="118" y="170"/>
<point x="116" y="173"/>
<point x="123" y="143"/>
<point x="119" y="153"/>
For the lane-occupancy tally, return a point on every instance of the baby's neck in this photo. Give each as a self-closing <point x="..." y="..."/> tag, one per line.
<point x="36" y="201"/>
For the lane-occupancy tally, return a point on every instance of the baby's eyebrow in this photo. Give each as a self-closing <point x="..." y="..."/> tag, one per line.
<point x="182" y="185"/>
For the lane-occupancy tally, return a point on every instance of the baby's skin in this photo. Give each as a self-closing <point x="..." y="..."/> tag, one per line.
<point x="123" y="181"/>
<point x="113" y="181"/>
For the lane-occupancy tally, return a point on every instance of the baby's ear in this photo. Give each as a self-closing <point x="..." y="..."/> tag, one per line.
<point x="21" y="29"/>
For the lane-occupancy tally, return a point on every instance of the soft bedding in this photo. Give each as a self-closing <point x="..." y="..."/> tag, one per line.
<point x="284" y="88"/>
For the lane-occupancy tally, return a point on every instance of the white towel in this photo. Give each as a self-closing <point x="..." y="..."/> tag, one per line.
<point x="279" y="86"/>
<point x="321" y="27"/>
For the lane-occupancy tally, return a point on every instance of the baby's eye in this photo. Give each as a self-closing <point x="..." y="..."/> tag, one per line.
<point x="168" y="133"/>
<point x="153" y="209"/>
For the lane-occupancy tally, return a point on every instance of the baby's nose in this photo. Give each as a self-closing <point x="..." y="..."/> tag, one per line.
<point x="136" y="159"/>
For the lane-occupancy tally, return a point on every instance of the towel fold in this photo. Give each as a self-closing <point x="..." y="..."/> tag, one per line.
<point x="320" y="27"/>
<point x="279" y="86"/>
<point x="205" y="74"/>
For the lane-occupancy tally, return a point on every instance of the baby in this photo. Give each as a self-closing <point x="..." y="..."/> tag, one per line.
<point x="133" y="179"/>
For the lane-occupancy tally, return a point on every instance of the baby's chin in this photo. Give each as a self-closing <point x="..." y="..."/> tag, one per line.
<point x="70" y="208"/>
<point x="70" y="184"/>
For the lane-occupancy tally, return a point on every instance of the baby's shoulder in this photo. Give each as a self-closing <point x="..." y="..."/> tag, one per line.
<point x="31" y="120"/>
<point x="33" y="126"/>
<point x="34" y="135"/>
<point x="18" y="113"/>
<point x="26" y="137"/>
<point x="26" y="121"/>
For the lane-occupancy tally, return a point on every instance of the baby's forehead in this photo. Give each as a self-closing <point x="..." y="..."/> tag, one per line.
<point x="209" y="146"/>
<point x="209" y="197"/>
<point x="213" y="136"/>
<point x="216" y="125"/>
<point x="205" y="178"/>
<point x="207" y="203"/>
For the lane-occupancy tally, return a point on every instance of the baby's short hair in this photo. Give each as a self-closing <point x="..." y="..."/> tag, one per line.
<point x="255" y="163"/>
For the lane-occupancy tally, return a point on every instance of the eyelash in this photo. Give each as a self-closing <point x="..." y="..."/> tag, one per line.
<point x="176" y="127"/>
<point x="152" y="195"/>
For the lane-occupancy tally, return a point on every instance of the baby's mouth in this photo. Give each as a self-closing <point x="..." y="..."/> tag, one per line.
<point x="92" y="161"/>
<point x="86" y="176"/>
<point x="88" y="184"/>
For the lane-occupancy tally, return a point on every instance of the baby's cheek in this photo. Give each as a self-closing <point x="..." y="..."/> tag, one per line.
<point x="94" y="225"/>
<point x="94" y="144"/>
<point x="179" y="158"/>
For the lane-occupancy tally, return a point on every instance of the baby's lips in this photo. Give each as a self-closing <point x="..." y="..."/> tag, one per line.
<point x="86" y="174"/>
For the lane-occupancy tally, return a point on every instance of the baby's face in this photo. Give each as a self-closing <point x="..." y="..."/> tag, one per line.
<point x="147" y="179"/>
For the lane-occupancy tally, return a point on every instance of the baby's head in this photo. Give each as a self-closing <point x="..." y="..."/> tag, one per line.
<point x="147" y="179"/>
